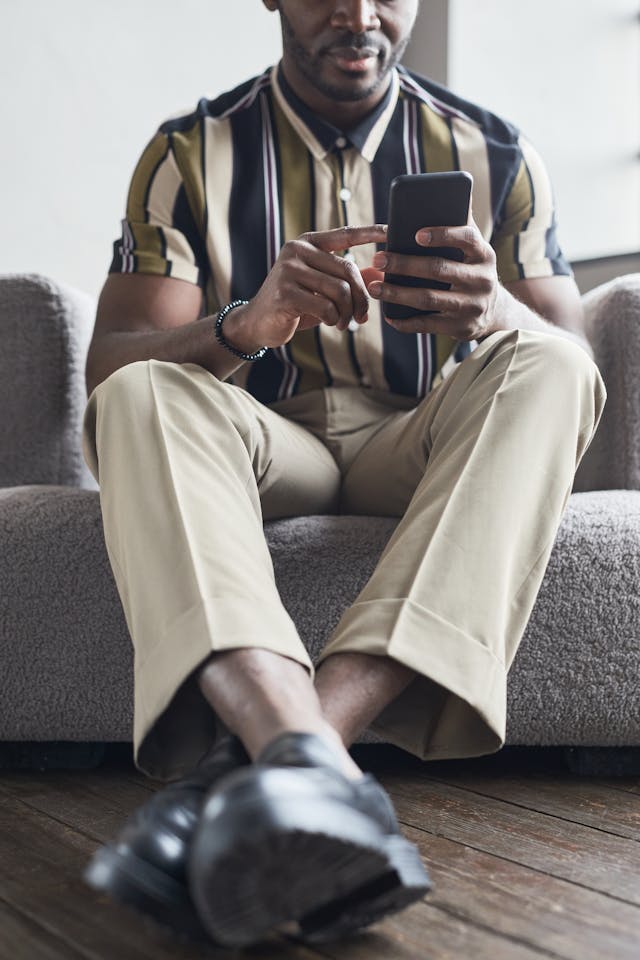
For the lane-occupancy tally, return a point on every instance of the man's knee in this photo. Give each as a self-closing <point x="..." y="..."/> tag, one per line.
<point x="549" y="359"/>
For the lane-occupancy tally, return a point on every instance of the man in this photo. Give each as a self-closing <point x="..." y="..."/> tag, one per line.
<point x="249" y="252"/>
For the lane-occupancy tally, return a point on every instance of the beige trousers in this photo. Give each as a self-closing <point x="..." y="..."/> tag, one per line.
<point x="479" y="472"/>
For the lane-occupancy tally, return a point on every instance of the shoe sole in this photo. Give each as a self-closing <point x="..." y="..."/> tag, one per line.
<point x="265" y="860"/>
<point x="137" y="884"/>
<point x="404" y="882"/>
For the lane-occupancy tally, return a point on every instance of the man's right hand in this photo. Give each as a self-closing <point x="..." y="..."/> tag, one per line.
<point x="308" y="285"/>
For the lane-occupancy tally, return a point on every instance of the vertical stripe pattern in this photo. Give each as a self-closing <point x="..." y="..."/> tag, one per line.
<point x="218" y="191"/>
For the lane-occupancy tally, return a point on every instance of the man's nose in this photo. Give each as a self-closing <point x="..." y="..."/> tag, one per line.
<point x="356" y="16"/>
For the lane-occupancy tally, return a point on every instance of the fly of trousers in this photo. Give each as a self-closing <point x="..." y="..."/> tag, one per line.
<point x="479" y="472"/>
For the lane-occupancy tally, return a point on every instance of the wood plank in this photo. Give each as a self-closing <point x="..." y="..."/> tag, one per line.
<point x="580" y="800"/>
<point x="92" y="920"/>
<point x="41" y="862"/>
<point x="20" y="937"/>
<point x="562" y="849"/>
<point x="97" y="806"/>
<point x="516" y="901"/>
<point x="424" y="932"/>
<point x="625" y="784"/>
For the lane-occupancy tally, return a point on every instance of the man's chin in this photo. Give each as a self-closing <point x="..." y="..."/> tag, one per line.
<point x="352" y="89"/>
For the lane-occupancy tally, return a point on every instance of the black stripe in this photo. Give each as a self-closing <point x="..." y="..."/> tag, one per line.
<point x="183" y="220"/>
<point x="516" y="256"/>
<point x="400" y="357"/>
<point x="163" y="251"/>
<point x="265" y="376"/>
<point x="454" y="146"/>
<point x="247" y="213"/>
<point x="323" y="359"/>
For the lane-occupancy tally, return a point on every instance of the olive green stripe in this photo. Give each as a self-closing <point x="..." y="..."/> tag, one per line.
<point x="149" y="239"/>
<point x="143" y="176"/>
<point x="437" y="145"/>
<point x="518" y="208"/>
<point x="187" y="147"/>
<point x="439" y="157"/>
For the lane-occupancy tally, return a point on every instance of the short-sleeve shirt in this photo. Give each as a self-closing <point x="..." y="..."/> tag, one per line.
<point x="218" y="191"/>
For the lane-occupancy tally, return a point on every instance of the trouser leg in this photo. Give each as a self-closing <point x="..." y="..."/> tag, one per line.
<point x="480" y="473"/>
<point x="188" y="469"/>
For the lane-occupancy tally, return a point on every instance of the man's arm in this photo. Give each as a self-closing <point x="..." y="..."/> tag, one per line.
<point x="145" y="317"/>
<point x="548" y="304"/>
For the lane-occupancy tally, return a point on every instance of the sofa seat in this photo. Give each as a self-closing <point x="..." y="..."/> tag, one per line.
<point x="66" y="659"/>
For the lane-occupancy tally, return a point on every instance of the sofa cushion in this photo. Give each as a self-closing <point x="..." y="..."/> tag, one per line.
<point x="45" y="328"/>
<point x="65" y="655"/>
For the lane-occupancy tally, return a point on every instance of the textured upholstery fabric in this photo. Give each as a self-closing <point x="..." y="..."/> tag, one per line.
<point x="613" y="327"/>
<point x="45" y="329"/>
<point x="65" y="656"/>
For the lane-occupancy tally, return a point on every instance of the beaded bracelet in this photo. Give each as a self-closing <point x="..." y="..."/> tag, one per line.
<point x="220" y="336"/>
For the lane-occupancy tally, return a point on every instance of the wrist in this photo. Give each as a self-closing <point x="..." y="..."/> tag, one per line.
<point x="234" y="331"/>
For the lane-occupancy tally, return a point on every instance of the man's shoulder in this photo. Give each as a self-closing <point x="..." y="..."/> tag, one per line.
<point x="242" y="97"/>
<point x="442" y="100"/>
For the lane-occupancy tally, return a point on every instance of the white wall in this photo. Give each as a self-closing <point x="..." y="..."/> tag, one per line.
<point x="568" y="73"/>
<point x="83" y="85"/>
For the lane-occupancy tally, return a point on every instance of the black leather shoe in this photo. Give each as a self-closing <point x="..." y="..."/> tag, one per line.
<point x="292" y="839"/>
<point x="146" y="866"/>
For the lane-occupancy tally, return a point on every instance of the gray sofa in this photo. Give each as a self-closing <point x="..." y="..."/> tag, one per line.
<point x="65" y="657"/>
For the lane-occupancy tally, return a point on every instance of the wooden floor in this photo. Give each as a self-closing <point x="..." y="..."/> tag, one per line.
<point x="528" y="861"/>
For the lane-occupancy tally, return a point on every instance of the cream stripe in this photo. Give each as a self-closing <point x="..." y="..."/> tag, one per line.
<point x="532" y="243"/>
<point x="474" y="157"/>
<point x="301" y="128"/>
<point x="380" y="127"/>
<point x="218" y="163"/>
<point x="334" y="342"/>
<point x="368" y="338"/>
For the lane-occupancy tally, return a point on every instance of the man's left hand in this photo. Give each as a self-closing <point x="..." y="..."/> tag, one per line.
<point x="467" y="311"/>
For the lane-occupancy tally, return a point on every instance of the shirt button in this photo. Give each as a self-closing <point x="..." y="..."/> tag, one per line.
<point x="353" y="325"/>
<point x="341" y="142"/>
<point x="345" y="194"/>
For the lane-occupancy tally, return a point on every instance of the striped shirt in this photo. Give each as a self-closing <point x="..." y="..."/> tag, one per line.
<point x="218" y="191"/>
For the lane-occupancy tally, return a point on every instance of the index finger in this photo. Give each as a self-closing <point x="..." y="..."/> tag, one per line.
<point x="344" y="237"/>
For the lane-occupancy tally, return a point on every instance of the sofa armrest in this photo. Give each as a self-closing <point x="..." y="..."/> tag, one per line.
<point x="45" y="328"/>
<point x="612" y="314"/>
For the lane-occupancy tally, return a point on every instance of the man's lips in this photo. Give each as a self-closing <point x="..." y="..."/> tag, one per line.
<point x="354" y="59"/>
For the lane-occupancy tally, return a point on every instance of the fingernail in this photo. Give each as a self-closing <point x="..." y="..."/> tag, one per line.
<point x="423" y="236"/>
<point x="380" y="260"/>
<point x="375" y="288"/>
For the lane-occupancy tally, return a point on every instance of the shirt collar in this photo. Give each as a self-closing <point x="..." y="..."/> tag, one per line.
<point x="322" y="137"/>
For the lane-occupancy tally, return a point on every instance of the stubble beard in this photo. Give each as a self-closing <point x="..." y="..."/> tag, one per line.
<point x="311" y="67"/>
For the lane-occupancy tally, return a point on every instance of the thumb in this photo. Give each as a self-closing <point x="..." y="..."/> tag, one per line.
<point x="369" y="274"/>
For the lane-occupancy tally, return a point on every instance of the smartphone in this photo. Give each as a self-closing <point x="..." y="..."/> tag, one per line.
<point x="424" y="200"/>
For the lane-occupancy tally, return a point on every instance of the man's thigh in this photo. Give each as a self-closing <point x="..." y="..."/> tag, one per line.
<point x="383" y="477"/>
<point x="295" y="472"/>
<point x="214" y="433"/>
